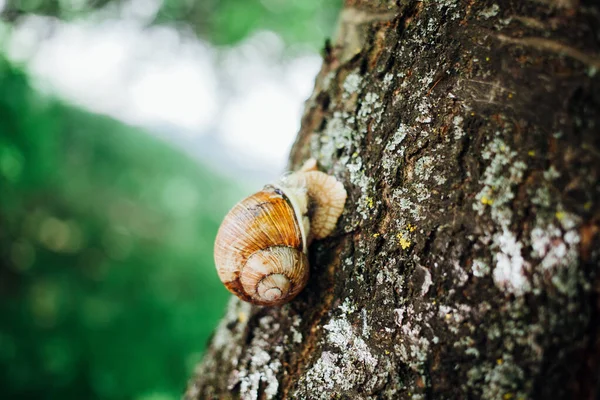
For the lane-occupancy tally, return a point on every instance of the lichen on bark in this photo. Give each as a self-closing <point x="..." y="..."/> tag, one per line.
<point x="466" y="262"/>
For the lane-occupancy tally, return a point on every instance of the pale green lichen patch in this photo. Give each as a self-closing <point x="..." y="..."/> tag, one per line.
<point x="554" y="249"/>
<point x="370" y="109"/>
<point x="424" y="167"/>
<point x="352" y="83"/>
<point x="413" y="349"/>
<point x="498" y="185"/>
<point x="340" y="135"/>
<point x="394" y="151"/>
<point x="503" y="173"/>
<point x="490" y="12"/>
<point x="500" y="380"/>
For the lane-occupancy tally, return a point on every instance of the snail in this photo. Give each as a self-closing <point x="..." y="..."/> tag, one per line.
<point x="262" y="244"/>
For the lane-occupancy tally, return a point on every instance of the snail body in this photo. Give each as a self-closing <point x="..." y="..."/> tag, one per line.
<point x="262" y="245"/>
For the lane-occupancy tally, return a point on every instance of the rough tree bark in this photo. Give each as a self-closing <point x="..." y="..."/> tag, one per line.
<point x="466" y="262"/>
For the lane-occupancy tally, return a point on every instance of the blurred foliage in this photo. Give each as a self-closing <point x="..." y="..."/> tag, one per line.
<point x="222" y="22"/>
<point x="107" y="284"/>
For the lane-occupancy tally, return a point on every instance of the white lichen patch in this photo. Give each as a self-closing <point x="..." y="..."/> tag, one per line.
<point x="388" y="277"/>
<point x="350" y="364"/>
<point x="458" y="130"/>
<point x="510" y="271"/>
<point x="461" y="276"/>
<point x="352" y="83"/>
<point x="554" y="244"/>
<point x="424" y="167"/>
<point x="347" y="307"/>
<point x="558" y="254"/>
<point x="370" y="108"/>
<point x="296" y="335"/>
<point x="427" y="281"/>
<point x="454" y="316"/>
<point x="480" y="268"/>
<point x="339" y="134"/>
<point x="424" y="109"/>
<point x="467" y="343"/>
<point x="542" y="197"/>
<point x="393" y="151"/>
<point x="388" y="79"/>
<point x="364" y="183"/>
<point x="366" y="327"/>
<point x="551" y="173"/>
<point x="414" y="346"/>
<point x="261" y="363"/>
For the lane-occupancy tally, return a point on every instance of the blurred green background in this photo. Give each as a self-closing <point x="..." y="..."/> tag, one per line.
<point x="107" y="284"/>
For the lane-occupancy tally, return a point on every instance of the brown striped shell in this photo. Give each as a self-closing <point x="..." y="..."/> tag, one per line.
<point x="260" y="251"/>
<point x="261" y="246"/>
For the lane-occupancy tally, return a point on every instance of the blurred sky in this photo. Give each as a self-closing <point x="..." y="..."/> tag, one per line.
<point x="237" y="108"/>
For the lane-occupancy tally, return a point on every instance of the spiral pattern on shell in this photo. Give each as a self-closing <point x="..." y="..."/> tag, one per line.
<point x="259" y="249"/>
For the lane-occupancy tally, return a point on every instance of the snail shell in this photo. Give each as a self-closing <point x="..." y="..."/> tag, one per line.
<point x="261" y="247"/>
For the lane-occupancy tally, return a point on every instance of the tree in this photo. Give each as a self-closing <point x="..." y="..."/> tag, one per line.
<point x="466" y="262"/>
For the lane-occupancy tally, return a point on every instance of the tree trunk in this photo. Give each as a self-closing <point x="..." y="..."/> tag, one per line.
<point x="466" y="262"/>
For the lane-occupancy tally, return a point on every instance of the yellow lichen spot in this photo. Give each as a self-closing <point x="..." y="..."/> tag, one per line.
<point x="531" y="153"/>
<point x="242" y="317"/>
<point x="487" y="201"/>
<point x="355" y="154"/>
<point x="404" y="242"/>
<point x="472" y="114"/>
<point x="448" y="316"/>
<point x="411" y="227"/>
<point x="499" y="361"/>
<point x="508" y="396"/>
<point x="560" y="215"/>
<point x="376" y="235"/>
<point x="387" y="352"/>
<point x="370" y="202"/>
<point x="510" y="95"/>
<point x="487" y="59"/>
